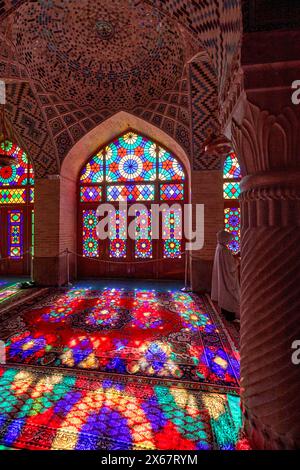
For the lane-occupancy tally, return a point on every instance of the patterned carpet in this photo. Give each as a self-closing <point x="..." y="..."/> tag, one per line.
<point x="118" y="368"/>
<point x="8" y="290"/>
<point x="140" y="332"/>
<point x="42" y="409"/>
<point x="11" y="292"/>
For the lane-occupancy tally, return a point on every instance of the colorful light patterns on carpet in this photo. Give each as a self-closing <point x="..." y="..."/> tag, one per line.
<point x="232" y="168"/>
<point x="8" y="291"/>
<point x="147" y="333"/>
<point x="232" y="225"/>
<point x="42" y="409"/>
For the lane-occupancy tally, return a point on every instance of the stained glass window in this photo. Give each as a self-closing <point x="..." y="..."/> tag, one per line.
<point x="131" y="158"/>
<point x="132" y="168"/>
<point x="232" y="176"/>
<point x="93" y="170"/>
<point x="232" y="168"/>
<point x="172" y="223"/>
<point x="232" y="225"/>
<point x="171" y="192"/>
<point x="131" y="192"/>
<point x="15" y="234"/>
<point x="143" y="242"/>
<point x="32" y="232"/>
<point x="18" y="174"/>
<point x="118" y="235"/>
<point x="90" y="193"/>
<point x="13" y="196"/>
<point x="169" y="167"/>
<point x="89" y="232"/>
<point x="31" y="195"/>
<point x="231" y="190"/>
<point x="16" y="199"/>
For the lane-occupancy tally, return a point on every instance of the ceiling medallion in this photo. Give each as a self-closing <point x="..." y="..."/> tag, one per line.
<point x="105" y="30"/>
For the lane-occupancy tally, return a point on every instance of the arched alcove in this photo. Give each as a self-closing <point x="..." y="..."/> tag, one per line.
<point x="88" y="146"/>
<point x="109" y="130"/>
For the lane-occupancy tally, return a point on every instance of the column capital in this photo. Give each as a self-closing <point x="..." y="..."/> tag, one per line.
<point x="271" y="185"/>
<point x="266" y="142"/>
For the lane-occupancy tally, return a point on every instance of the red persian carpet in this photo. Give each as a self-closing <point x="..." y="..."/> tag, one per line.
<point x="140" y="332"/>
<point x="118" y="369"/>
<point x="44" y="409"/>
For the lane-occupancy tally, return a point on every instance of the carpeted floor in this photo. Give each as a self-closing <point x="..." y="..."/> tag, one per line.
<point x="95" y="367"/>
<point x="11" y="291"/>
<point x="141" y="332"/>
<point x="8" y="291"/>
<point x="42" y="409"/>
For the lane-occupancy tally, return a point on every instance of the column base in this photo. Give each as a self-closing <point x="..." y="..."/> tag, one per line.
<point x="264" y="438"/>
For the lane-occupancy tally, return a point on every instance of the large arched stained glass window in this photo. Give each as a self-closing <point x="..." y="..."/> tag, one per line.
<point x="132" y="168"/>
<point x="16" y="205"/>
<point x="231" y="191"/>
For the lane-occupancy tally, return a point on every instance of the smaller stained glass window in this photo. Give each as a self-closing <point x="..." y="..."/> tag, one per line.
<point x="131" y="158"/>
<point x="172" y="222"/>
<point x="13" y="196"/>
<point x="15" y="174"/>
<point x="32" y="232"/>
<point x="131" y="192"/>
<point x="118" y="235"/>
<point x="15" y="234"/>
<point x="171" y="192"/>
<point x="143" y="242"/>
<point x="231" y="190"/>
<point x="169" y="167"/>
<point x="232" y="225"/>
<point x="93" y="171"/>
<point x="232" y="168"/>
<point x="90" y="193"/>
<point x="89" y="232"/>
<point x="31" y="195"/>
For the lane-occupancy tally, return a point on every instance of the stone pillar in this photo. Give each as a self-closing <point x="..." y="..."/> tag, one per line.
<point x="55" y="230"/>
<point x="266" y="136"/>
<point x="270" y="309"/>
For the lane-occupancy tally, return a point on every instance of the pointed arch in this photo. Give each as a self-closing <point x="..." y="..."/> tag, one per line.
<point x="107" y="131"/>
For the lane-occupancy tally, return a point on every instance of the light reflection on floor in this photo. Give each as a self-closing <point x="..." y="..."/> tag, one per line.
<point x="46" y="410"/>
<point x="151" y="331"/>
<point x="144" y="332"/>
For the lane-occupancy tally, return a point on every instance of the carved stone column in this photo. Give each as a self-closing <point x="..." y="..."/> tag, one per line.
<point x="266" y="136"/>
<point x="270" y="309"/>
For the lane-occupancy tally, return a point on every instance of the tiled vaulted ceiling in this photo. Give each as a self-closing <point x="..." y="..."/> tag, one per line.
<point x="83" y="60"/>
<point x="117" y="54"/>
